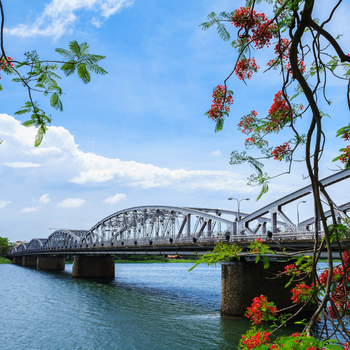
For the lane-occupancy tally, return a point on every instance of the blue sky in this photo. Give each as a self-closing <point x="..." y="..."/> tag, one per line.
<point x="138" y="135"/>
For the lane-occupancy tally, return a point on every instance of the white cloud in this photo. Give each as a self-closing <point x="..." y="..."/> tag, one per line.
<point x="71" y="203"/>
<point x="60" y="15"/>
<point x="115" y="199"/>
<point x="216" y="153"/>
<point x="71" y="164"/>
<point x="3" y="204"/>
<point x="96" y="22"/>
<point x="43" y="151"/>
<point x="44" y="198"/>
<point x="22" y="165"/>
<point x="29" y="210"/>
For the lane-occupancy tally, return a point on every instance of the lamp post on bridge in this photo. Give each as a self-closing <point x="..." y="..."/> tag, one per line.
<point x="238" y="208"/>
<point x="298" y="214"/>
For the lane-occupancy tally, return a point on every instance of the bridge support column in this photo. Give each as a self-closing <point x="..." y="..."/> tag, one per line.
<point x="29" y="260"/>
<point x="50" y="263"/>
<point x="242" y="281"/>
<point x="17" y="260"/>
<point x="93" y="267"/>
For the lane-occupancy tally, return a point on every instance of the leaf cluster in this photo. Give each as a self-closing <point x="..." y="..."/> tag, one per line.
<point x="222" y="251"/>
<point x="42" y="77"/>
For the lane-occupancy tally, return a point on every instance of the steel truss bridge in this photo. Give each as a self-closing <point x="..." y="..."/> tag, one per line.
<point x="172" y="230"/>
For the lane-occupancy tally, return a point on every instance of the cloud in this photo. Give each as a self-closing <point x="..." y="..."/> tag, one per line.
<point x="71" y="203"/>
<point x="70" y="164"/>
<point x="59" y="16"/>
<point x="22" y="165"/>
<point x="29" y="210"/>
<point x="115" y="199"/>
<point x="216" y="153"/>
<point x="3" y="204"/>
<point x="44" y="198"/>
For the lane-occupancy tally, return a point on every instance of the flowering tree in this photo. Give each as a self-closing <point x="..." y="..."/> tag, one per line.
<point x="41" y="76"/>
<point x="305" y="54"/>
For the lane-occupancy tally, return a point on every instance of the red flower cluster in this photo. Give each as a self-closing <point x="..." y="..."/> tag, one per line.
<point x="346" y="346"/>
<point x="291" y="269"/>
<point x="281" y="151"/>
<point x="245" y="68"/>
<point x="253" y="341"/>
<point x="261" y="310"/>
<point x="4" y="63"/>
<point x="345" y="156"/>
<point x="247" y="122"/>
<point x="222" y="99"/>
<point x="340" y="290"/>
<point x="262" y="30"/>
<point x="301" y="293"/>
<point x="251" y="140"/>
<point x="279" y="111"/>
<point x="346" y="136"/>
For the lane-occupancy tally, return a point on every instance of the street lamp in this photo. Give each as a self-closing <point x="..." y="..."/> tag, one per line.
<point x="238" y="202"/>
<point x="298" y="214"/>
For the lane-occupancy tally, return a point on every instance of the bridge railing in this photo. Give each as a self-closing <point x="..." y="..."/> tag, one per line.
<point x="192" y="241"/>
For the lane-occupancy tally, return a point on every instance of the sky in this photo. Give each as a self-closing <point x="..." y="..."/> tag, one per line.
<point x="139" y="136"/>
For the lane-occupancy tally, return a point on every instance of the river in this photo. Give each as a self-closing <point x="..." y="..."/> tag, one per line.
<point x="147" y="306"/>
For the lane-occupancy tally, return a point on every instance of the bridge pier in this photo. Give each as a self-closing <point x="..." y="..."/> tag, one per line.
<point x="29" y="260"/>
<point x="17" y="260"/>
<point x="242" y="281"/>
<point x="50" y="263"/>
<point x="93" y="267"/>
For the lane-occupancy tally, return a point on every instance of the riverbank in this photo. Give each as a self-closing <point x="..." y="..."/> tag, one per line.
<point x="5" y="261"/>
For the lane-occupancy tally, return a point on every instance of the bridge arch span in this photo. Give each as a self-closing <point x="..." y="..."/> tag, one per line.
<point x="158" y="223"/>
<point x="62" y="239"/>
<point x="36" y="244"/>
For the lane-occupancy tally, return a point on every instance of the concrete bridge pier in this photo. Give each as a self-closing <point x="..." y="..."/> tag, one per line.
<point x="50" y="263"/>
<point x="93" y="267"/>
<point x="29" y="260"/>
<point x="17" y="260"/>
<point x="242" y="281"/>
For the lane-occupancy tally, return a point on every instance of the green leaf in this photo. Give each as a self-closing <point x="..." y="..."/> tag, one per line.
<point x="65" y="53"/>
<point x="83" y="73"/>
<point x="75" y="48"/>
<point x="22" y="111"/>
<point x="219" y="124"/>
<point x="223" y="33"/>
<point x="38" y="138"/>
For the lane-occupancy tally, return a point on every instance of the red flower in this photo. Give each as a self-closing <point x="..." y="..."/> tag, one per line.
<point x="222" y="99"/>
<point x="301" y="293"/>
<point x="245" y="68"/>
<point x="261" y="310"/>
<point x="257" y="339"/>
<point x="281" y="151"/>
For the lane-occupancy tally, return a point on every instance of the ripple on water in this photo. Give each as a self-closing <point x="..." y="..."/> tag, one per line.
<point x="147" y="306"/>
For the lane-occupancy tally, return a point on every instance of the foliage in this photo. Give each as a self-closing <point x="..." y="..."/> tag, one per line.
<point x="305" y="54"/>
<point x="221" y="252"/>
<point x="4" y="246"/>
<point x="261" y="249"/>
<point x="40" y="76"/>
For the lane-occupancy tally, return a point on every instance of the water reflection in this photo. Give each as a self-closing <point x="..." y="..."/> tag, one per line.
<point x="147" y="306"/>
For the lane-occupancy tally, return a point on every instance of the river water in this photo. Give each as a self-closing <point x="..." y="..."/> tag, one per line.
<point x="147" y="306"/>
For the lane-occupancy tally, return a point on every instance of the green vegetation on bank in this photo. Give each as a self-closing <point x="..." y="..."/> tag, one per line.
<point x="5" y="261"/>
